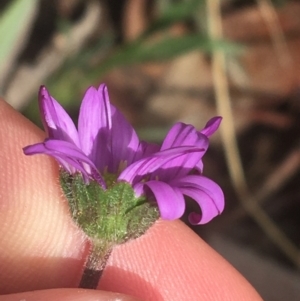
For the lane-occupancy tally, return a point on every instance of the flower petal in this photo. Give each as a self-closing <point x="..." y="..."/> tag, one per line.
<point x="208" y="210"/>
<point x="182" y="134"/>
<point x="178" y="167"/>
<point x="68" y="155"/>
<point x="211" y="126"/>
<point x="170" y="200"/>
<point x="136" y="171"/>
<point x="146" y="149"/>
<point x="56" y="121"/>
<point x="40" y="148"/>
<point x="206" y="193"/>
<point x="139" y="189"/>
<point x="124" y="143"/>
<point x="94" y="125"/>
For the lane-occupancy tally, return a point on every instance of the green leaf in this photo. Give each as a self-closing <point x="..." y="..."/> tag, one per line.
<point x="13" y="21"/>
<point x="167" y="48"/>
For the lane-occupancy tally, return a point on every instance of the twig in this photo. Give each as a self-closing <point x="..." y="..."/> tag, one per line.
<point x="230" y="143"/>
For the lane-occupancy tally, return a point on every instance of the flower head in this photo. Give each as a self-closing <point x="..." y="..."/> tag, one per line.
<point x="106" y="150"/>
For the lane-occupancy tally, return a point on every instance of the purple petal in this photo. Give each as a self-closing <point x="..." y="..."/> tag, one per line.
<point x="206" y="193"/>
<point x="73" y="154"/>
<point x="210" y="187"/>
<point x="182" y="134"/>
<point x="146" y="149"/>
<point x="208" y="210"/>
<point x="199" y="166"/>
<point x="56" y="121"/>
<point x="124" y="143"/>
<point x="40" y="148"/>
<point x="68" y="155"/>
<point x="136" y="171"/>
<point x="211" y="126"/>
<point x="139" y="189"/>
<point x="178" y="167"/>
<point x="94" y="125"/>
<point x="170" y="200"/>
<point x="205" y="202"/>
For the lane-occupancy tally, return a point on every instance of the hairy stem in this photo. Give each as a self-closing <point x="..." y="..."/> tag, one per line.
<point x="95" y="266"/>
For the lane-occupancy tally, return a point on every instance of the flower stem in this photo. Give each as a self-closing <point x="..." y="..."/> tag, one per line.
<point x="95" y="266"/>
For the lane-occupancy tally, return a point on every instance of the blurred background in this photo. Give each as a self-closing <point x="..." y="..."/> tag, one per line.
<point x="187" y="60"/>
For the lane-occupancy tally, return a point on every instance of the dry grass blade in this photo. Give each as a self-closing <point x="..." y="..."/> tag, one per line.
<point x="281" y="175"/>
<point x="134" y="22"/>
<point x="230" y="142"/>
<point x="269" y="14"/>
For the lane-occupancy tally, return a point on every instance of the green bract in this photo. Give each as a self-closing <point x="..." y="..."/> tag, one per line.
<point x="110" y="216"/>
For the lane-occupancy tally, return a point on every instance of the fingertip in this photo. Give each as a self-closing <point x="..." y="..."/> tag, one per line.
<point x="41" y="247"/>
<point x="170" y="262"/>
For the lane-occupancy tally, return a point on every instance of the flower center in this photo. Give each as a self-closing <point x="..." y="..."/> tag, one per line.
<point x="110" y="179"/>
<point x="122" y="166"/>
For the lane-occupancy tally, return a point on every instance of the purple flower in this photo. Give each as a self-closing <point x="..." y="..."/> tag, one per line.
<point x="105" y="143"/>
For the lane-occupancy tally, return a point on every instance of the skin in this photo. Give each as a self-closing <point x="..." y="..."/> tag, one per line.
<point x="42" y="252"/>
